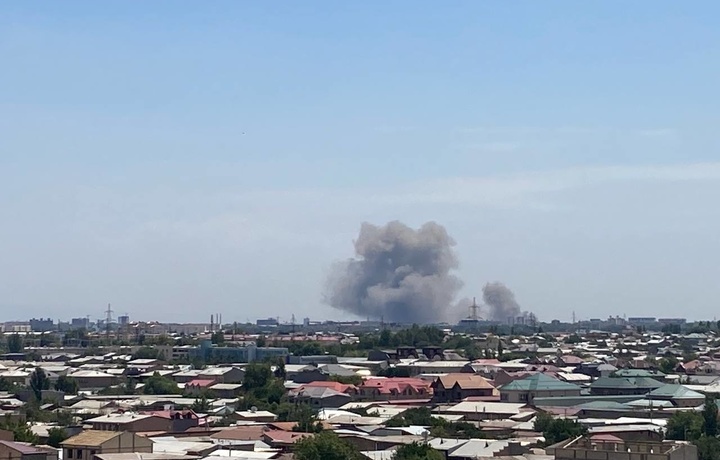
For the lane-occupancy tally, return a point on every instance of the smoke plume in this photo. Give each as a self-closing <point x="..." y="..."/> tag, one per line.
<point x="399" y="273"/>
<point x="500" y="302"/>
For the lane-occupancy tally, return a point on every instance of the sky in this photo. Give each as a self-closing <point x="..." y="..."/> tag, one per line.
<point x="179" y="158"/>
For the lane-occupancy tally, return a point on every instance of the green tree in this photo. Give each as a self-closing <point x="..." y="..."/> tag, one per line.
<point x="218" y="338"/>
<point x="257" y="375"/>
<point x="668" y="364"/>
<point x="417" y="451"/>
<point x="21" y="431"/>
<point x="159" y="385"/>
<point x="201" y="405"/>
<point x="261" y="341"/>
<point x="6" y="385"/>
<point x="39" y="381"/>
<point x="67" y="385"/>
<point x="708" y="448"/>
<point x="555" y="430"/>
<point x="684" y="426"/>
<point x="421" y="416"/>
<point x="56" y="436"/>
<point x="15" y="343"/>
<point x="146" y="353"/>
<point x="326" y="445"/>
<point x="710" y="417"/>
<point x="307" y="420"/>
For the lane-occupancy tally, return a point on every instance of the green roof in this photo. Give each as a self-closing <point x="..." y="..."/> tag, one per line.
<point x="638" y="373"/>
<point x="625" y="382"/>
<point x="649" y="403"/>
<point x="603" y="405"/>
<point x="674" y="391"/>
<point x="538" y="382"/>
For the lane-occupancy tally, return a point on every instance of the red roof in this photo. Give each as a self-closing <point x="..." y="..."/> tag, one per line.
<point x="396" y="385"/>
<point x="337" y="386"/>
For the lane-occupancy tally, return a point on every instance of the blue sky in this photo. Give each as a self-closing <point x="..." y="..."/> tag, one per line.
<point x="179" y="158"/>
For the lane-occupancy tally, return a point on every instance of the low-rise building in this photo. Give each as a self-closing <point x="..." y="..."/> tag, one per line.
<point x="536" y="386"/>
<point x="86" y="445"/>
<point x="456" y="387"/>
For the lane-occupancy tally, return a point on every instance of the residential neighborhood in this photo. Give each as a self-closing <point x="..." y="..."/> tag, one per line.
<point x="531" y="395"/>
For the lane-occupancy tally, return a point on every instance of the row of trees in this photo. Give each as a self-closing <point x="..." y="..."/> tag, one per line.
<point x="329" y="446"/>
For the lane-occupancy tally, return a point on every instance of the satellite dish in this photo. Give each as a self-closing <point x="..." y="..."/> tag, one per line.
<point x="253" y="409"/>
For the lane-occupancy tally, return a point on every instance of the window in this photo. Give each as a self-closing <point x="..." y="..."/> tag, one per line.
<point x="68" y="453"/>
<point x="523" y="396"/>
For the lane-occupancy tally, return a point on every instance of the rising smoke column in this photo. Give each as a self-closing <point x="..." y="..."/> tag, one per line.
<point x="500" y="301"/>
<point x="399" y="274"/>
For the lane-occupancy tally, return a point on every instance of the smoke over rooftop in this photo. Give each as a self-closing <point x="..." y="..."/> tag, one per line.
<point x="399" y="273"/>
<point x="500" y="302"/>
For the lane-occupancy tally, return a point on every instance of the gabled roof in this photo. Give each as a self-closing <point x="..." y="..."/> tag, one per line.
<point x="538" y="382"/>
<point x="465" y="382"/>
<point x="675" y="392"/>
<point x="92" y="438"/>
<point x="625" y="382"/>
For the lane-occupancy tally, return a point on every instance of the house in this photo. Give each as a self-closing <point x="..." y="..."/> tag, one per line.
<point x="93" y="379"/>
<point x="615" y="386"/>
<point x="86" y="445"/>
<point x="168" y="420"/>
<point x="536" y="385"/>
<point x="320" y="397"/>
<point x="226" y="390"/>
<point x="198" y="386"/>
<point x="614" y="448"/>
<point x="679" y="395"/>
<point x="476" y="411"/>
<point x="456" y="387"/>
<point x="10" y="450"/>
<point x="227" y="374"/>
<point x="397" y="388"/>
<point x="261" y="416"/>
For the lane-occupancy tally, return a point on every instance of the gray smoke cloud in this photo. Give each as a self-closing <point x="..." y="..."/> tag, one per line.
<point x="399" y="274"/>
<point x="500" y="302"/>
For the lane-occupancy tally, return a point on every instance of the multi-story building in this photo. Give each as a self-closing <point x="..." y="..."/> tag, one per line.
<point x="42" y="325"/>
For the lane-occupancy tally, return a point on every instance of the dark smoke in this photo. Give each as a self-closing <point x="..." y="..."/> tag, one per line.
<point x="500" y="302"/>
<point x="399" y="274"/>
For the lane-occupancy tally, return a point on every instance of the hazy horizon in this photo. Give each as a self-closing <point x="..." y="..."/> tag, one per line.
<point x="180" y="159"/>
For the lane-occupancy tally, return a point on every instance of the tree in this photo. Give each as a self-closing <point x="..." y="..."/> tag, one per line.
<point x="159" y="385"/>
<point x="710" y="417"/>
<point x="6" y="385"/>
<point x="326" y="445"/>
<point x="201" y="405"/>
<point x="15" y="343"/>
<point x="21" y="431"/>
<point x="684" y="426"/>
<point x="218" y="338"/>
<point x="417" y="451"/>
<point x="421" y="416"/>
<point x="555" y="430"/>
<point x="56" y="436"/>
<point x="708" y="448"/>
<point x="146" y="353"/>
<point x="67" y="385"/>
<point x="668" y="364"/>
<point x="306" y="418"/>
<point x="39" y="381"/>
<point x="261" y="341"/>
<point x="257" y="375"/>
